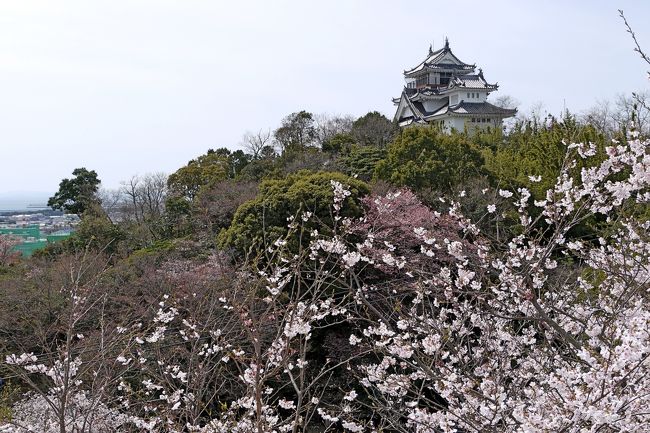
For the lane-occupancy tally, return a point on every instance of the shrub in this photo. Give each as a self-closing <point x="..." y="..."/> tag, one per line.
<point x="264" y="219"/>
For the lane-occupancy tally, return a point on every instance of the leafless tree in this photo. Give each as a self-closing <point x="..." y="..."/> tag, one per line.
<point x="632" y="111"/>
<point x="641" y="99"/>
<point x="7" y="253"/>
<point x="217" y="204"/>
<point x="328" y="125"/>
<point x="144" y="196"/>
<point x="601" y="117"/>
<point x="506" y="101"/>
<point x="537" y="112"/>
<point x="255" y="142"/>
<point x="111" y="202"/>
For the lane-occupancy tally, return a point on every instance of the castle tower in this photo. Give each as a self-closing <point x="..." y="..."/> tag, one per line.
<point x="442" y="90"/>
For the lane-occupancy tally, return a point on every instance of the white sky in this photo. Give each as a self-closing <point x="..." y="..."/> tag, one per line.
<point x="136" y="86"/>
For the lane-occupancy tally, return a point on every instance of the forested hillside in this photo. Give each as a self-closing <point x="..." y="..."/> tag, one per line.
<point x="340" y="274"/>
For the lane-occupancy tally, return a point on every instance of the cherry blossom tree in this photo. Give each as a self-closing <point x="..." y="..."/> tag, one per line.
<point x="545" y="334"/>
<point x="7" y="245"/>
<point x="70" y="376"/>
<point x="243" y="355"/>
<point x="449" y="330"/>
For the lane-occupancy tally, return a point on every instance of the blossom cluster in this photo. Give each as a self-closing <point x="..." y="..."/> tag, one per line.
<point x="445" y="329"/>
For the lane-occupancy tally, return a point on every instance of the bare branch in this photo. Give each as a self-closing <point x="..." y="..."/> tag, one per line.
<point x="636" y="42"/>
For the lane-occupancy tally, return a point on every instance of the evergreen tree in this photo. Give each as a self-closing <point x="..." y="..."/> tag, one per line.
<point x="78" y="194"/>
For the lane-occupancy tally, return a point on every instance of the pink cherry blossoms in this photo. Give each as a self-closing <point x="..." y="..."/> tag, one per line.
<point x="408" y="319"/>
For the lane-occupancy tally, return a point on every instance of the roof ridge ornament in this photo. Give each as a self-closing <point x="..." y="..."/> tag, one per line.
<point x="430" y="49"/>
<point x="446" y="43"/>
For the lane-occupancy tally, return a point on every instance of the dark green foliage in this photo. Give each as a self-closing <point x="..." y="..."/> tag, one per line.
<point x="338" y="143"/>
<point x="157" y="250"/>
<point x="178" y="216"/>
<point x="308" y="159"/>
<point x="238" y="161"/>
<point x="78" y="194"/>
<point x="94" y="233"/>
<point x="421" y="157"/>
<point x="296" y="132"/>
<point x="361" y="161"/>
<point x="374" y="129"/>
<point x="204" y="170"/>
<point x="100" y="234"/>
<point x="208" y="169"/>
<point x="264" y="219"/>
<point x="537" y="150"/>
<point x="260" y="169"/>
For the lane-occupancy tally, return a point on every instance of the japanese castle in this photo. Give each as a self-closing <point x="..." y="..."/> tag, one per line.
<point x="442" y="90"/>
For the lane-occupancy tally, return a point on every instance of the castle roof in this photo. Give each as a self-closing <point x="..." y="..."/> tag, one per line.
<point x="440" y="59"/>
<point x="472" y="81"/>
<point x="467" y="81"/>
<point x="482" y="108"/>
<point x="420" y="113"/>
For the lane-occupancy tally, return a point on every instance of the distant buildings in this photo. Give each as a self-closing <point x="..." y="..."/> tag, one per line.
<point x="442" y="90"/>
<point x="36" y="230"/>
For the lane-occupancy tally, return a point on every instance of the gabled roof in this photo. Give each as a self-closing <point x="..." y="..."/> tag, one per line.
<point x="417" y="109"/>
<point x="472" y="81"/>
<point x="440" y="59"/>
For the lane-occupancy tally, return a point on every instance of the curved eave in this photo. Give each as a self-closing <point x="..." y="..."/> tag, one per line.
<point x="436" y="56"/>
<point x="451" y="111"/>
<point x="410" y="121"/>
<point x="436" y="94"/>
<point x="489" y="87"/>
<point x="499" y="115"/>
<point x="471" y="109"/>
<point x="423" y="96"/>
<point x="433" y="68"/>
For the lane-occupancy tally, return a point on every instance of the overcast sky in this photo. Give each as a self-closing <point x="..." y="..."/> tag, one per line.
<point x="134" y="86"/>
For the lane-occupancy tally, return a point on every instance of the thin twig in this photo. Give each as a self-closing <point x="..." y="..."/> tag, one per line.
<point x="636" y="42"/>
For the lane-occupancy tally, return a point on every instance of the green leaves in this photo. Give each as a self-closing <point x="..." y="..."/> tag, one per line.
<point x="297" y="132"/>
<point x="361" y="161"/>
<point x="206" y="171"/>
<point x="78" y="194"/>
<point x="538" y="150"/>
<point x="422" y="157"/>
<point x="264" y="219"/>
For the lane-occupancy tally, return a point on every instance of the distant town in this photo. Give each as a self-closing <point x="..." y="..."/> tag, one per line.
<point x="36" y="228"/>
